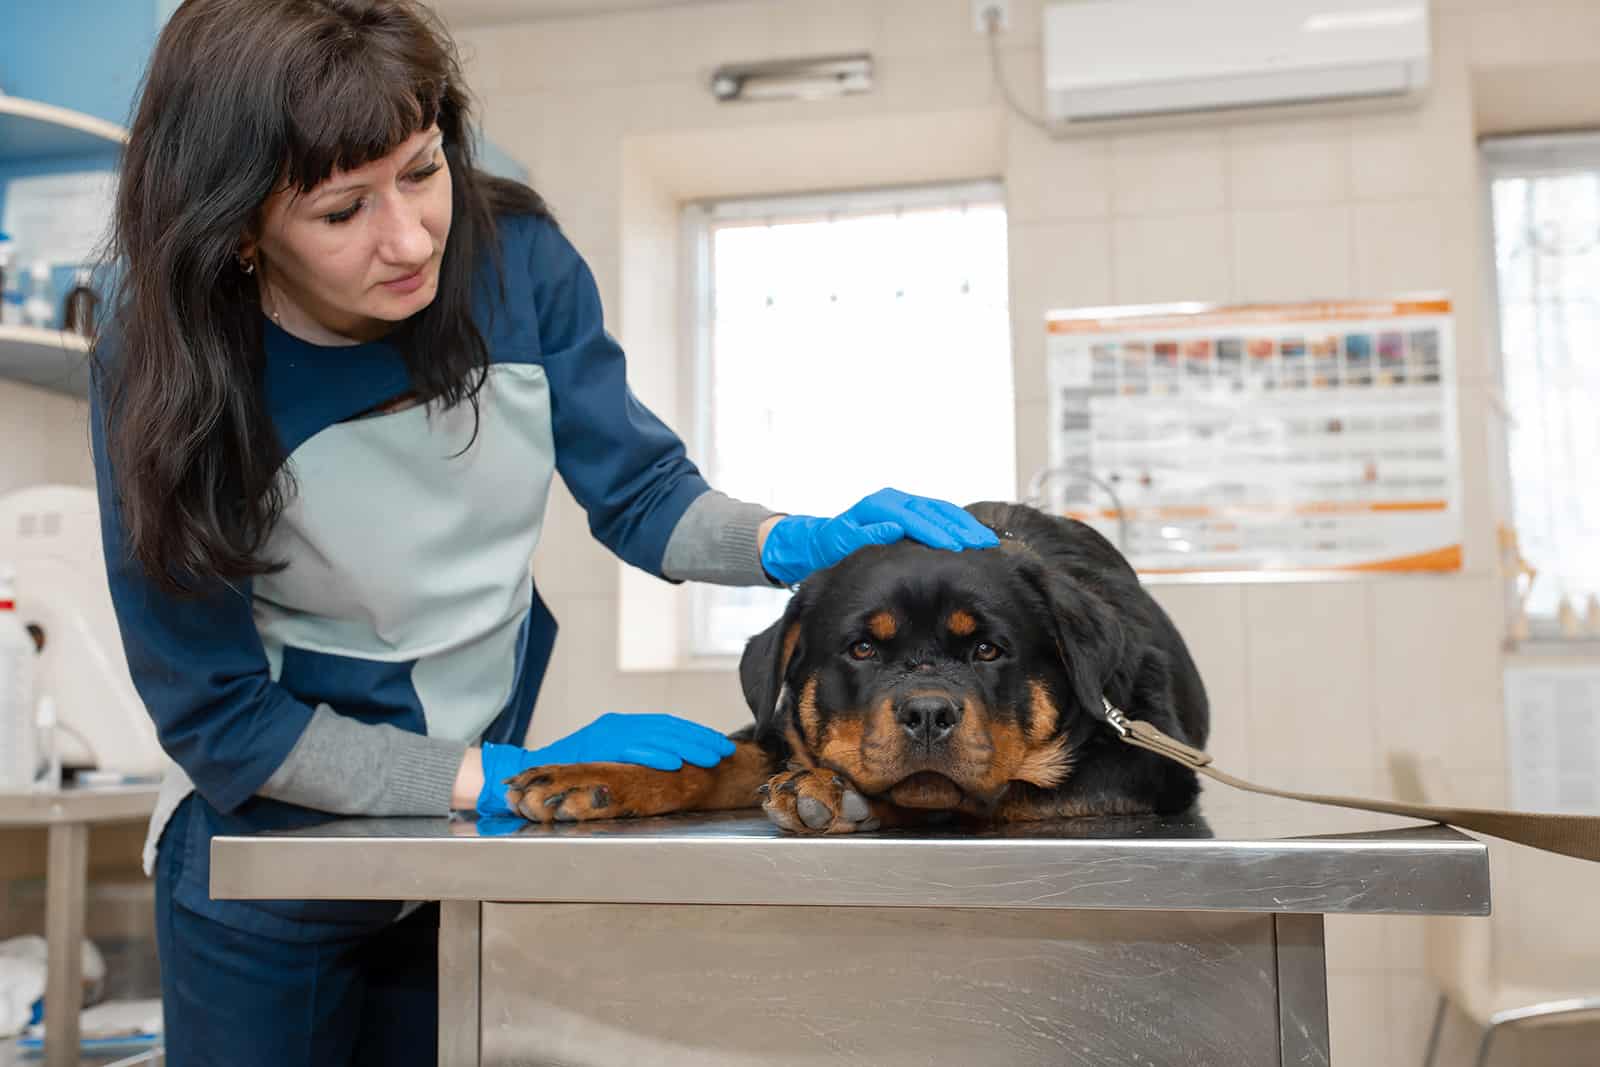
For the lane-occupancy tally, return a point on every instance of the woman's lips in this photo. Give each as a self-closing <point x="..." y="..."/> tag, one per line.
<point x="409" y="284"/>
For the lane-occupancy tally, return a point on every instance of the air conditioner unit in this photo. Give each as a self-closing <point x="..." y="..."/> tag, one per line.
<point x="1112" y="58"/>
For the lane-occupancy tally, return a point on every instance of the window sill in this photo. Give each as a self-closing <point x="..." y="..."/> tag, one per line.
<point x="1553" y="649"/>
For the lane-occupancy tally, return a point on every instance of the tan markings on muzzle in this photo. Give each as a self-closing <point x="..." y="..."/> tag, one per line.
<point x="961" y="623"/>
<point x="842" y="743"/>
<point x="883" y="626"/>
<point x="869" y="747"/>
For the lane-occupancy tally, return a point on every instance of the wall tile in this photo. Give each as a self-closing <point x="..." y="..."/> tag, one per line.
<point x="1278" y="163"/>
<point x="826" y="27"/>
<point x="1390" y="156"/>
<point x="1053" y="265"/>
<point x="1167" y="258"/>
<point x="1293" y="254"/>
<point x="1436" y="672"/>
<point x="1310" y="662"/>
<point x="1048" y="180"/>
<point x="1399" y="248"/>
<point x="1169" y="173"/>
<point x="1358" y="1022"/>
<point x="1211" y="619"/>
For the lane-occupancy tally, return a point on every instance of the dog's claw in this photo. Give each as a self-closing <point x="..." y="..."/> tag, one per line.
<point x="813" y="813"/>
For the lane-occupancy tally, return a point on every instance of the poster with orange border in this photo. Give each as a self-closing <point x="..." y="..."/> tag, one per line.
<point x="1310" y="437"/>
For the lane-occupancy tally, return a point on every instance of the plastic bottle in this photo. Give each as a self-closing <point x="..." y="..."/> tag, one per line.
<point x="48" y="757"/>
<point x="10" y="308"/>
<point x="40" y="310"/>
<point x="10" y="298"/>
<point x="6" y="255"/>
<point x="18" y="741"/>
<point x="78" y="310"/>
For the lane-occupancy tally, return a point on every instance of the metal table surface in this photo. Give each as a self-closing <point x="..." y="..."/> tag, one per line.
<point x="68" y="813"/>
<point x="1194" y="939"/>
<point x="1238" y="853"/>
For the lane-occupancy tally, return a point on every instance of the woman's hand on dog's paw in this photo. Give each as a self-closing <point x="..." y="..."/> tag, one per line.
<point x="817" y="802"/>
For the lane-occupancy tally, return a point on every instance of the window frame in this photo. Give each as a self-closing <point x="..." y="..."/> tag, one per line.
<point x="1525" y="156"/>
<point x="698" y="218"/>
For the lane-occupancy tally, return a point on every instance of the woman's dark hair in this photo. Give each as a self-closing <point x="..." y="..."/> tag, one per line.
<point x="242" y="98"/>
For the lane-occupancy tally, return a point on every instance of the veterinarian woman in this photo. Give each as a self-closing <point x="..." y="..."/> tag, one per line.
<point x="343" y="369"/>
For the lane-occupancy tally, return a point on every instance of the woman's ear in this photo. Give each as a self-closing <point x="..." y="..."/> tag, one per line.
<point x="768" y="657"/>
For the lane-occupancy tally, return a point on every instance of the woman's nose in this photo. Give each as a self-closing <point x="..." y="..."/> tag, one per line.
<point x="403" y="238"/>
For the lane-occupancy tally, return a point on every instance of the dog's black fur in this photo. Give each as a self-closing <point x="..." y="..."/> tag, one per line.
<point x="909" y="683"/>
<point x="1059" y="609"/>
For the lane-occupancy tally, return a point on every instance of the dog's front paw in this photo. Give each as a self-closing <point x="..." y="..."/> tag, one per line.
<point x="578" y="792"/>
<point x="817" y="802"/>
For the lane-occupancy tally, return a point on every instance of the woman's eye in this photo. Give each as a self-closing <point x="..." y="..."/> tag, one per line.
<point x="986" y="652"/>
<point x="426" y="172"/>
<point x="344" y="216"/>
<point x="863" y="650"/>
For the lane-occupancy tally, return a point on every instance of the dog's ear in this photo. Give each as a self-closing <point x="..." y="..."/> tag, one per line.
<point x="1089" y="637"/>
<point x="764" y="667"/>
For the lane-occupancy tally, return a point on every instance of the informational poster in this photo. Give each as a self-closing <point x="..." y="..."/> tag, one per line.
<point x="1553" y="738"/>
<point x="1293" y="437"/>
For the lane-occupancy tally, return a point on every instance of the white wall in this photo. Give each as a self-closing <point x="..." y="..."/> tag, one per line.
<point x="1313" y="684"/>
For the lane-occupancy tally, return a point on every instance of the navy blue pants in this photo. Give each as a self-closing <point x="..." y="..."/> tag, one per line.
<point x="247" y="1000"/>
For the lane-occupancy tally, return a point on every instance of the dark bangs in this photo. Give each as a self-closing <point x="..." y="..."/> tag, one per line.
<point x="355" y="98"/>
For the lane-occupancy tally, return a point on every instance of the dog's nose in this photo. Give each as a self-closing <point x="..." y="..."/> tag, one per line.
<point x="928" y="719"/>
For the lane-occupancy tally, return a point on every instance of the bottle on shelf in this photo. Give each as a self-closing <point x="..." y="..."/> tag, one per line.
<point x="10" y="296"/>
<point x="6" y="254"/>
<point x="39" y="310"/>
<point x="78" y="310"/>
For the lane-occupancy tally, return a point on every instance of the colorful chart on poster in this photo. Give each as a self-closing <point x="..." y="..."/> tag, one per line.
<point x="1292" y="437"/>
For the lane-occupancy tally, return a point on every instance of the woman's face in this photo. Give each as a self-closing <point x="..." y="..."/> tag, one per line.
<point x="361" y="251"/>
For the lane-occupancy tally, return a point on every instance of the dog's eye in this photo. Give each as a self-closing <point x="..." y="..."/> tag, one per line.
<point x="986" y="652"/>
<point x="863" y="650"/>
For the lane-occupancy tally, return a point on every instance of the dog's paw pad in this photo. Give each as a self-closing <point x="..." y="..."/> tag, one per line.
<point x="813" y="813"/>
<point x="808" y="802"/>
<point x="578" y="792"/>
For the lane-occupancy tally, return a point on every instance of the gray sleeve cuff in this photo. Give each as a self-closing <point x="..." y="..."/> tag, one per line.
<point x="355" y="768"/>
<point x="715" y="541"/>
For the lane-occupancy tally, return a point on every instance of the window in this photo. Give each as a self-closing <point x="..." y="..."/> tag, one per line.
<point x="845" y="343"/>
<point x="1545" y="194"/>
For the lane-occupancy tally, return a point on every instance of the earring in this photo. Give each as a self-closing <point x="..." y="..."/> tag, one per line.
<point x="248" y="266"/>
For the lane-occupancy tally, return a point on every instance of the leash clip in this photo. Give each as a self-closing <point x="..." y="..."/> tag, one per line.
<point x="1114" y="716"/>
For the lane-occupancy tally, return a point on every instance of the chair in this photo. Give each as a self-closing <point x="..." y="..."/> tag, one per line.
<point x="1536" y="959"/>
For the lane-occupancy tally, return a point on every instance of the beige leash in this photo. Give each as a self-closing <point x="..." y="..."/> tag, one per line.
<point x="1570" y="835"/>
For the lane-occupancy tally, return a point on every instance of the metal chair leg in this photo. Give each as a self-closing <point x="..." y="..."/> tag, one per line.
<point x="1483" y="1046"/>
<point x="1438" y="1027"/>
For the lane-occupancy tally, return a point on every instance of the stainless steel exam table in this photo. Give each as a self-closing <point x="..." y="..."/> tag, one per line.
<point x="716" y="940"/>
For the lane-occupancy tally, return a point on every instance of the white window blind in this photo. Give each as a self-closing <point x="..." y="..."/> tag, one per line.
<point x="1546" y="205"/>
<point x="847" y="343"/>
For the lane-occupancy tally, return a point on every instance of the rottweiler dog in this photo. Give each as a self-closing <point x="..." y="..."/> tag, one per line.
<point x="908" y="685"/>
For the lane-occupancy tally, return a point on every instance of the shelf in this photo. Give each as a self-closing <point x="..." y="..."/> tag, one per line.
<point x="31" y="130"/>
<point x="49" y="359"/>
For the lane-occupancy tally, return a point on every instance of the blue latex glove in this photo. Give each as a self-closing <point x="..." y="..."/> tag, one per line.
<point x="799" y="544"/>
<point x="664" y="742"/>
